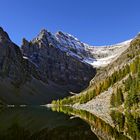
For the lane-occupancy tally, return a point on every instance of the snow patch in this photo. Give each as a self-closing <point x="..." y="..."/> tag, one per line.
<point x="25" y="57"/>
<point x="97" y="56"/>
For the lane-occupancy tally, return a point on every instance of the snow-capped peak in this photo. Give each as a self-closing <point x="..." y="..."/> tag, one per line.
<point x="93" y="55"/>
<point x="68" y="40"/>
<point x="69" y="36"/>
<point x="43" y="34"/>
<point x="71" y="45"/>
<point x="124" y="42"/>
<point x="106" y="54"/>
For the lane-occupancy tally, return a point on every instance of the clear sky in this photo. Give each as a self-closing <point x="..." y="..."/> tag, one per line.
<point x="96" y="22"/>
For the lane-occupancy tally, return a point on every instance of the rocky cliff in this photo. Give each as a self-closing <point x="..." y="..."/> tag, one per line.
<point x="115" y="86"/>
<point x="40" y="71"/>
<point x="51" y="66"/>
<point x="12" y="65"/>
<point x="52" y="55"/>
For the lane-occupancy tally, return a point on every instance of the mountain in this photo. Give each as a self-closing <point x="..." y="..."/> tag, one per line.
<point x="17" y="74"/>
<point x="59" y="62"/>
<point x="55" y="66"/>
<point x="115" y="85"/>
<point x="96" y="56"/>
<point x="39" y="71"/>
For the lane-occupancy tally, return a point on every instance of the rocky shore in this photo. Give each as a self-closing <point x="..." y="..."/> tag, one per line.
<point x="99" y="106"/>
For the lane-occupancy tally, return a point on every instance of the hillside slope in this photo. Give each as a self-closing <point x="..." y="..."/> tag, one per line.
<point x="119" y="79"/>
<point x="40" y="71"/>
<point x="52" y="66"/>
<point x="21" y="81"/>
<point x="57" y="61"/>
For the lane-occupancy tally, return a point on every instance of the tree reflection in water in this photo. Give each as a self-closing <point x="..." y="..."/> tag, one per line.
<point x="40" y="123"/>
<point x="125" y="127"/>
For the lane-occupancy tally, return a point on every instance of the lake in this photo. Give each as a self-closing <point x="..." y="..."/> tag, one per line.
<point x="64" y="123"/>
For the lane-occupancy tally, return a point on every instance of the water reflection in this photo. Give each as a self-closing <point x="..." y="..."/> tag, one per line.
<point x="39" y="123"/>
<point x="124" y="128"/>
<point x="128" y="124"/>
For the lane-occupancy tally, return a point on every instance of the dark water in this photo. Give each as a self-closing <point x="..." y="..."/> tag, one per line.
<point x="123" y="127"/>
<point x="40" y="123"/>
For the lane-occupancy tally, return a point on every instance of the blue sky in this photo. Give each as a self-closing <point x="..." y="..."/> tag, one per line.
<point x="96" y="22"/>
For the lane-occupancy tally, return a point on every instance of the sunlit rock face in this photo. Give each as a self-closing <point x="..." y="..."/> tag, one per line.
<point x="57" y="61"/>
<point x="65" y="60"/>
<point x="52" y="65"/>
<point x="39" y="71"/>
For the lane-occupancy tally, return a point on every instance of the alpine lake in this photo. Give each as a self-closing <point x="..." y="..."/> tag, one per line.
<point x="64" y="123"/>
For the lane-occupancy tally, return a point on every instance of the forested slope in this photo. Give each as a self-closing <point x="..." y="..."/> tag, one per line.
<point x="125" y="69"/>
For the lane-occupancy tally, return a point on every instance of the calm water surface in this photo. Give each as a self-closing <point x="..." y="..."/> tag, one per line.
<point x="41" y="123"/>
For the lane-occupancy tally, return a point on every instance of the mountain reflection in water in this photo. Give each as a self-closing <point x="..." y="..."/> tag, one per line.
<point x="65" y="123"/>
<point x="40" y="123"/>
<point x="124" y="127"/>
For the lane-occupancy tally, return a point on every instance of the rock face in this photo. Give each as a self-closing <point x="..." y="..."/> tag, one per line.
<point x="51" y="54"/>
<point x="50" y="66"/>
<point x="40" y="71"/>
<point x="12" y="64"/>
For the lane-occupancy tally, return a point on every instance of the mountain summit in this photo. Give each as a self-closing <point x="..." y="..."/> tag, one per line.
<point x="52" y="66"/>
<point x="54" y="57"/>
<point x="39" y="71"/>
